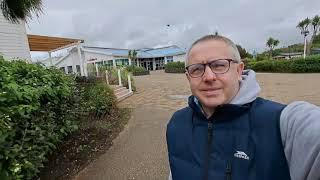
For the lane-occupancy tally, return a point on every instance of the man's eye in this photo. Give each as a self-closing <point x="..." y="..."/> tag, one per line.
<point x="218" y="65"/>
<point x="196" y="69"/>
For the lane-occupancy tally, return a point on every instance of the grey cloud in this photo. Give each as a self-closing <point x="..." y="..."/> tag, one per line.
<point x="143" y="23"/>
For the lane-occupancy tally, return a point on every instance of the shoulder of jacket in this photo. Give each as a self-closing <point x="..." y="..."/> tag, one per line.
<point x="180" y="116"/>
<point x="266" y="103"/>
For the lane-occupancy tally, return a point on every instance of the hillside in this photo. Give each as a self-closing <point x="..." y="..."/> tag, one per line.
<point x="297" y="47"/>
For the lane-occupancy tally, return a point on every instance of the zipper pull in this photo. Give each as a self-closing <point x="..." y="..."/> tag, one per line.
<point x="206" y="163"/>
<point x="210" y="126"/>
<point x="228" y="171"/>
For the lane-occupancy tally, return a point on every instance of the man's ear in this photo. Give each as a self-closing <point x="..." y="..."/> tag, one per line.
<point x="188" y="77"/>
<point x="240" y="70"/>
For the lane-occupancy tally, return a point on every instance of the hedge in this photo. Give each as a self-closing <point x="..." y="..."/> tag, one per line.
<point x="175" y="67"/>
<point x="96" y="98"/>
<point x="298" y="65"/>
<point x="137" y="71"/>
<point x="38" y="107"/>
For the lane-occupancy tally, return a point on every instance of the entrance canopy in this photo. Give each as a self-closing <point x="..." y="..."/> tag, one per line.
<point x="49" y="43"/>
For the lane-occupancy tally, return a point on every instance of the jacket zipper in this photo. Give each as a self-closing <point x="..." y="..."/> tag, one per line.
<point x="228" y="171"/>
<point x="210" y="134"/>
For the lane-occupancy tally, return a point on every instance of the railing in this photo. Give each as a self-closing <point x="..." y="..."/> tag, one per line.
<point x="119" y="79"/>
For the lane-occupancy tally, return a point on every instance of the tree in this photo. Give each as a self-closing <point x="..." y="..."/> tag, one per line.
<point x="303" y="26"/>
<point x="271" y="44"/>
<point x="243" y="53"/>
<point x="315" y="27"/>
<point x="132" y="54"/>
<point x="15" y="10"/>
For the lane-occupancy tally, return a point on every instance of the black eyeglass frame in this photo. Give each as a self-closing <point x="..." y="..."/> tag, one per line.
<point x="209" y="63"/>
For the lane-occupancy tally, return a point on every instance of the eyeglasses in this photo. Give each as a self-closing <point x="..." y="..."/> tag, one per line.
<point x="219" y="66"/>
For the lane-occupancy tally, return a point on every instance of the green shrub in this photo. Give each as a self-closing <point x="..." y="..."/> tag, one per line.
<point x="97" y="98"/>
<point x="38" y="108"/>
<point x="137" y="71"/>
<point x="298" y="65"/>
<point x="175" y="67"/>
<point x="263" y="57"/>
<point x="91" y="69"/>
<point x="114" y="80"/>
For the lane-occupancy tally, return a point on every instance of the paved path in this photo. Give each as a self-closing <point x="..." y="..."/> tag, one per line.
<point x="140" y="150"/>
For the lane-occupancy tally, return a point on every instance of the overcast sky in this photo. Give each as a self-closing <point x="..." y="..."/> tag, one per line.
<point x="143" y="23"/>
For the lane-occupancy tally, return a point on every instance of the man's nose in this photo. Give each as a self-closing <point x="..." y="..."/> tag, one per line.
<point x="208" y="74"/>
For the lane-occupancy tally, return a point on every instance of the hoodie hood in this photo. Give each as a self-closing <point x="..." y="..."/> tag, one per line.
<point x="249" y="88"/>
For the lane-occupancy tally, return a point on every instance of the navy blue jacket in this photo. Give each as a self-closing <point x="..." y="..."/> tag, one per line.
<point x="238" y="142"/>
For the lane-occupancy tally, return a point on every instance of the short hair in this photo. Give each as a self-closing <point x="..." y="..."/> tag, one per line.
<point x="211" y="37"/>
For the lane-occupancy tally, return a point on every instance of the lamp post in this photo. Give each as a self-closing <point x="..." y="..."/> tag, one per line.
<point x="168" y="28"/>
<point x="305" y="33"/>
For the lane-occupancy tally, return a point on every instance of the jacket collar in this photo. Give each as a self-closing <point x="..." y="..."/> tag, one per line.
<point x="225" y="111"/>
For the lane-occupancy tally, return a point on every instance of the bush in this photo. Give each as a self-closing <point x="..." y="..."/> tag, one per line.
<point x="263" y="57"/>
<point x="37" y="109"/>
<point x="137" y="71"/>
<point x="97" y="98"/>
<point x="298" y="65"/>
<point x="175" y="67"/>
<point x="114" y="80"/>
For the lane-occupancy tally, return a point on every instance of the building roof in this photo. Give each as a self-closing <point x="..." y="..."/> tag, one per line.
<point x="107" y="51"/>
<point x="166" y="51"/>
<point x="50" y="43"/>
<point x="291" y="54"/>
<point x="141" y="53"/>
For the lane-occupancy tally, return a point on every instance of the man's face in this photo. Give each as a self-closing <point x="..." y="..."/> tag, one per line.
<point x="214" y="89"/>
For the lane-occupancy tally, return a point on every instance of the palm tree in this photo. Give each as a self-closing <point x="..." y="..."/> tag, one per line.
<point x="132" y="54"/>
<point x="303" y="26"/>
<point x="15" y="10"/>
<point x="315" y="27"/>
<point x="271" y="44"/>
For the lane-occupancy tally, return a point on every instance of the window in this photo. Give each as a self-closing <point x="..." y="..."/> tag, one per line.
<point x="159" y="63"/>
<point x="140" y="62"/>
<point x="100" y="63"/>
<point x="122" y="62"/>
<point x="169" y="59"/>
<point x="70" y="69"/>
<point x="63" y="69"/>
<point x="109" y="63"/>
<point x="78" y="69"/>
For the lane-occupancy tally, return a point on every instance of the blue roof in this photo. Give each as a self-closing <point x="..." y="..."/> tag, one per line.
<point x="166" y="51"/>
<point x="141" y="53"/>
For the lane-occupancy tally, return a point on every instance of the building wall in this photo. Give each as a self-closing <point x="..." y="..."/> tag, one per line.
<point x="92" y="58"/>
<point x="68" y="61"/>
<point x="98" y="57"/>
<point x="13" y="40"/>
<point x="180" y="58"/>
<point x="71" y="60"/>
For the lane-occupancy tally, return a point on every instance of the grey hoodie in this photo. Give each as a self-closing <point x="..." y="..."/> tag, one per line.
<point x="299" y="127"/>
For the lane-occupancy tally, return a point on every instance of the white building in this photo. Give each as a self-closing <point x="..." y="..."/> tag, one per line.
<point x="13" y="40"/>
<point x="149" y="58"/>
<point x="289" y="55"/>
